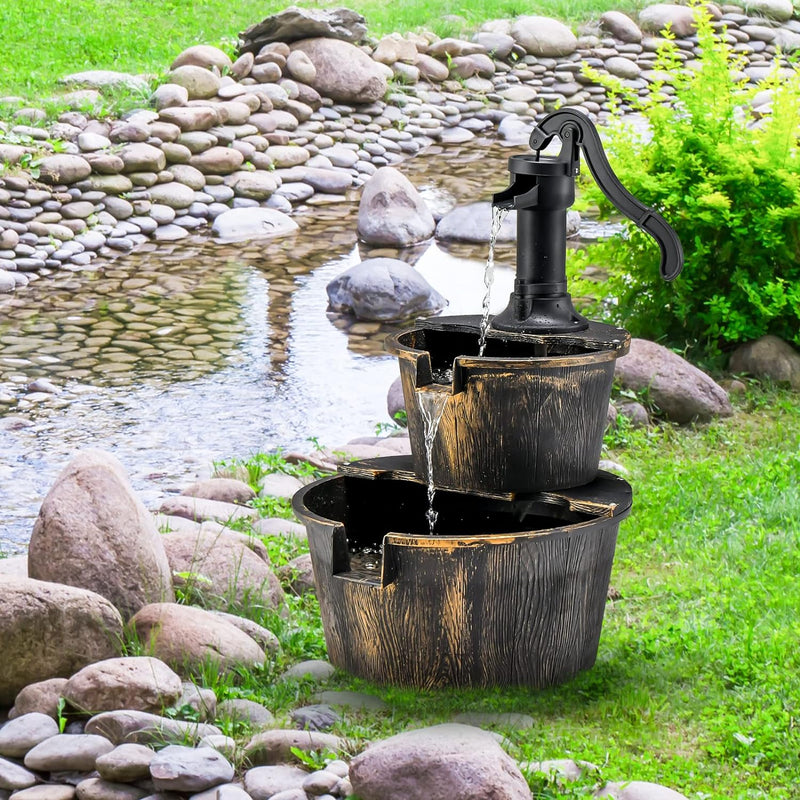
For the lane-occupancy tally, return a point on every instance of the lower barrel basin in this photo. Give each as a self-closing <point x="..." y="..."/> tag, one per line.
<point x="507" y="592"/>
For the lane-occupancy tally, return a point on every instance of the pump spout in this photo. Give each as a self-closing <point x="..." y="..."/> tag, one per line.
<point x="542" y="189"/>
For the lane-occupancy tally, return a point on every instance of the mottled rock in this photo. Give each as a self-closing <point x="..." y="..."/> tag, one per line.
<point x="438" y="763"/>
<point x="680" y="19"/>
<point x="24" y="732"/>
<point x="392" y="212"/>
<point x="68" y="752"/>
<point x="203" y="55"/>
<point x="768" y="357"/>
<point x="51" y="630"/>
<point x="187" y="769"/>
<point x="140" y="683"/>
<point x="247" y="711"/>
<point x="186" y="638"/>
<point x="200" y="83"/>
<point x="14" y="777"/>
<point x="141" y="727"/>
<point x="317" y="717"/>
<point x="264" y="783"/>
<point x="343" y="72"/>
<point x="100" y="789"/>
<point x="275" y="747"/>
<point x="41" y="697"/>
<point x="125" y="763"/>
<point x="302" y="23"/>
<point x="681" y="391"/>
<point x="226" y="490"/>
<point x="240" y="224"/>
<point x="141" y="157"/>
<point x="383" y="289"/>
<point x="621" y="27"/>
<point x="190" y="118"/>
<point x="64" y="168"/>
<point x="222" y="569"/>
<point x="542" y="36"/>
<point x="266" y="639"/>
<point x="93" y="531"/>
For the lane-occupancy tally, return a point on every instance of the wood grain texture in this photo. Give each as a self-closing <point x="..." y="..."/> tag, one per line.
<point x="520" y="603"/>
<point x="513" y="422"/>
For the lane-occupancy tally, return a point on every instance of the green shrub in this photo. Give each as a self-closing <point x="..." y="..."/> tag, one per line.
<point x="729" y="185"/>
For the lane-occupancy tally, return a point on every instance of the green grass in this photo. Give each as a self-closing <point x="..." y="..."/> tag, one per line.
<point x="697" y="683"/>
<point x="46" y="39"/>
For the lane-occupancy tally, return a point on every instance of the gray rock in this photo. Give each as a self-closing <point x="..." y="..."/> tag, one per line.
<point x="498" y="45"/>
<point x="768" y="357"/>
<point x="192" y="118"/>
<point x="653" y="19"/>
<point x="200" y="83"/>
<point x="300" y="67"/>
<point x="437" y="763"/>
<point x="780" y="10"/>
<point x="240" y="224"/>
<point x="623" y="67"/>
<point x="263" y="783"/>
<point x="383" y="289"/>
<point x="320" y="782"/>
<point x="200" y="509"/>
<point x="169" y="95"/>
<point x="67" y="752"/>
<point x="635" y="413"/>
<point x="542" y="36"/>
<point x="7" y="282"/>
<point x="225" y="490"/>
<point x="126" y="763"/>
<point x="395" y="402"/>
<point x="473" y="223"/>
<point x="392" y="212"/>
<point x="40" y="697"/>
<point x="217" y="161"/>
<point x="487" y="719"/>
<point x="21" y="734"/>
<point x="141" y="157"/>
<point x="266" y="639"/>
<point x="302" y="23"/>
<point x="681" y="391"/>
<point x="99" y="789"/>
<point x="319" y="717"/>
<point x="639" y="790"/>
<point x="274" y="526"/>
<point x="275" y="747"/>
<point x="279" y="484"/>
<point x="200" y="700"/>
<point x="316" y="670"/>
<point x="139" y="683"/>
<point x="248" y="711"/>
<point x="187" y="769"/>
<point x="355" y="701"/>
<point x="121" y="727"/>
<point x="172" y="194"/>
<point x="343" y="72"/>
<point x="104" y="79"/>
<point x="95" y="532"/>
<point x="621" y="27"/>
<point x="64" y="168"/>
<point x="51" y="630"/>
<point x="187" y="638"/>
<point x="298" y="574"/>
<point x="46" y="791"/>
<point x="14" y="777"/>
<point x="225" y="791"/>
<point x="203" y="55"/>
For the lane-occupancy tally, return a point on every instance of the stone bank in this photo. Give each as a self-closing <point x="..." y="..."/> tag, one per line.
<point x="306" y="114"/>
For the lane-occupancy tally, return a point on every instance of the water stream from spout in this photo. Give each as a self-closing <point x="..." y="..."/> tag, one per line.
<point x="431" y="405"/>
<point x="498" y="215"/>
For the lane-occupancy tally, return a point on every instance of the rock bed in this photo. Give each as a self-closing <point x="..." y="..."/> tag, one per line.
<point x="266" y="134"/>
<point x="99" y="726"/>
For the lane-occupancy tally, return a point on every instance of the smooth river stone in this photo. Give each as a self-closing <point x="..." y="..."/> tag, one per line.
<point x="67" y="752"/>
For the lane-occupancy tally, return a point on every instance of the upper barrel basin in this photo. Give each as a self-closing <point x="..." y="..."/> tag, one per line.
<point x="527" y="416"/>
<point x="508" y="592"/>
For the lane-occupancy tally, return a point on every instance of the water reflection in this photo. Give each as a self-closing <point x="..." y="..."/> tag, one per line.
<point x="196" y="351"/>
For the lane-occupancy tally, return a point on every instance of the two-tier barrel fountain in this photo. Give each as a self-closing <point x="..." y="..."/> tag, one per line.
<point x="503" y="579"/>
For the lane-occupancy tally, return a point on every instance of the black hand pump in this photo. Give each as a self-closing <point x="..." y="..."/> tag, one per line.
<point x="542" y="189"/>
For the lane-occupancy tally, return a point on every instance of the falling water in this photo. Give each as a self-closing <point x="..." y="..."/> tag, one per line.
<point x="498" y="215"/>
<point x="431" y="405"/>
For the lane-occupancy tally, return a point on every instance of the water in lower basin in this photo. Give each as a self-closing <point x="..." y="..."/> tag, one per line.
<point x="174" y="356"/>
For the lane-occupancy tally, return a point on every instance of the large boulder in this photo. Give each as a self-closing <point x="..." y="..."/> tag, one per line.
<point x="93" y="532"/>
<point x="542" y="36"/>
<point x="473" y="223"/>
<point x="392" y="212"/>
<point x="343" y="72"/>
<point x="188" y="638"/>
<point x="679" y="19"/>
<point x="383" y="289"/>
<point x="768" y="357"/>
<point x="140" y="683"/>
<point x="240" y="224"/>
<point x="295" y="23"/>
<point x="681" y="391"/>
<point x="438" y="763"/>
<point x="49" y="630"/>
<point x="221" y="568"/>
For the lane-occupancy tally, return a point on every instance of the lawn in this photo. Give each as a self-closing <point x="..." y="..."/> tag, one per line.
<point x="46" y="39"/>
<point x="697" y="683"/>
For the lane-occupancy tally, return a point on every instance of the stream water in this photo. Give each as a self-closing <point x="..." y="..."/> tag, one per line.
<point x="431" y="406"/>
<point x="498" y="215"/>
<point x="174" y="356"/>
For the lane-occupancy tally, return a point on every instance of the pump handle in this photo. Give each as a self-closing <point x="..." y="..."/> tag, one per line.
<point x="574" y="129"/>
